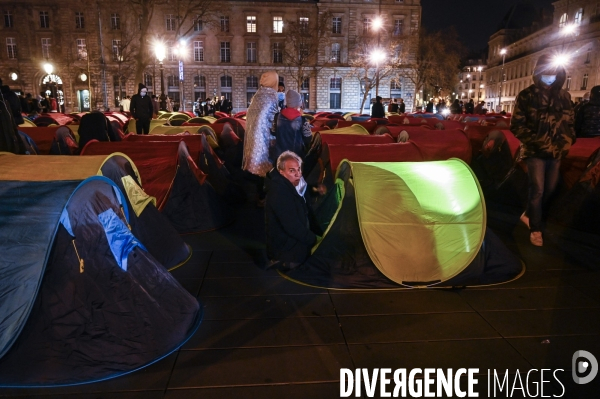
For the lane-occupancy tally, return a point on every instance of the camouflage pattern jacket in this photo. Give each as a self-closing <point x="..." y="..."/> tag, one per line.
<point x="543" y="120"/>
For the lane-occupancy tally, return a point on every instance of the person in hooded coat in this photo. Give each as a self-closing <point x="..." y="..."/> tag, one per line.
<point x="258" y="137"/>
<point x="292" y="129"/>
<point x="377" y="110"/>
<point x="587" y="119"/>
<point x="543" y="121"/>
<point x="141" y="109"/>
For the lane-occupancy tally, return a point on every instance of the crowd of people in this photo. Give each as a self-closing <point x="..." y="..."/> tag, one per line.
<point x="209" y="106"/>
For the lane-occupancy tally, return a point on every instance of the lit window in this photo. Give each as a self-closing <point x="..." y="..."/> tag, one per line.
<point x="198" y="51"/>
<point x="579" y="16"/>
<point x="277" y="24"/>
<point x="116" y="50"/>
<point x="251" y="24"/>
<point x="563" y="20"/>
<point x="46" y="48"/>
<point x="303" y="24"/>
<point x="367" y="25"/>
<point x="398" y="27"/>
<point x="335" y="53"/>
<point x="81" y="49"/>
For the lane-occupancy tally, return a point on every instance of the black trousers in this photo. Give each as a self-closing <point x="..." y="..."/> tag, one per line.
<point x="142" y="125"/>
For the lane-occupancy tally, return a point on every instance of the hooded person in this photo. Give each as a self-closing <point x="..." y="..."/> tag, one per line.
<point x="377" y="110"/>
<point x="587" y="119"/>
<point x="96" y="126"/>
<point x="141" y="109"/>
<point x="543" y="121"/>
<point x="292" y="130"/>
<point x="258" y="137"/>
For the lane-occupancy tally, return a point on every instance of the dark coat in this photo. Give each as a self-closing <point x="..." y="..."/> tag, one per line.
<point x="12" y="100"/>
<point x="543" y="117"/>
<point x="377" y="110"/>
<point x="289" y="237"/>
<point x="289" y="135"/>
<point x="393" y="107"/>
<point x="587" y="120"/>
<point x="401" y="108"/>
<point x="141" y="107"/>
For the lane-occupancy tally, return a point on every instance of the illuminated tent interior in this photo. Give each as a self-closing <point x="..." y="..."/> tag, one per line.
<point x="81" y="299"/>
<point x="147" y="223"/>
<point x="406" y="224"/>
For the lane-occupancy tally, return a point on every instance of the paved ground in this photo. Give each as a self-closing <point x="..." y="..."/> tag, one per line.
<point x="265" y="337"/>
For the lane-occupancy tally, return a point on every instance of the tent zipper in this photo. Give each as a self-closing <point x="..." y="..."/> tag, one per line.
<point x="81" y="264"/>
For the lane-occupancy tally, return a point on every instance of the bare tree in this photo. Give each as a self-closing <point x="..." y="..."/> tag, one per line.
<point x="187" y="13"/>
<point x="435" y="63"/>
<point x="374" y="59"/>
<point x="305" y="37"/>
<point x="124" y="49"/>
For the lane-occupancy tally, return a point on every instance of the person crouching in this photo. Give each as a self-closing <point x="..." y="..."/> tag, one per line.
<point x="289" y="234"/>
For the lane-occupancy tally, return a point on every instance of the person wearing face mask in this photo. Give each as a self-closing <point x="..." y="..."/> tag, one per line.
<point x="543" y="121"/>
<point x="290" y="233"/>
<point x="141" y="109"/>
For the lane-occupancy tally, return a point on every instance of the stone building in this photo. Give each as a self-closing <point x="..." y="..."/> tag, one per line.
<point x="471" y="84"/>
<point x="572" y="34"/>
<point x="90" y="48"/>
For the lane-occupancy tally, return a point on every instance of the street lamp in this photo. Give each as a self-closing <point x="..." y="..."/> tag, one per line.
<point x="160" y="52"/>
<point x="503" y="53"/>
<point x="14" y="76"/>
<point x="377" y="56"/>
<point x="48" y="68"/>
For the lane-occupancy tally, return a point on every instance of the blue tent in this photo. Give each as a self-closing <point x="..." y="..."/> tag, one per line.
<point x="81" y="299"/>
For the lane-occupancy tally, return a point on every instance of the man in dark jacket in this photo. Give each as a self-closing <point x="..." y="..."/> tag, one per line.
<point x="141" y="109"/>
<point x="289" y="236"/>
<point x="543" y="121"/>
<point x="292" y="130"/>
<point x="377" y="110"/>
<point x="12" y="100"/>
<point x="401" y="107"/>
<point x="587" y="119"/>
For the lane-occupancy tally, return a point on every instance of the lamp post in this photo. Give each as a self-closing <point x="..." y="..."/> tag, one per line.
<point x="503" y="52"/>
<point x="377" y="56"/>
<point x="159" y="49"/>
<point x="377" y="25"/>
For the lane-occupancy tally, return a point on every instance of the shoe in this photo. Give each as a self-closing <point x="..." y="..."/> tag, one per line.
<point x="536" y="238"/>
<point x="524" y="219"/>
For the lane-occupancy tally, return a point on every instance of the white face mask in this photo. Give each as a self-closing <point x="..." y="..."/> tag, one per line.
<point x="548" y="79"/>
<point x="142" y="93"/>
<point x="301" y="187"/>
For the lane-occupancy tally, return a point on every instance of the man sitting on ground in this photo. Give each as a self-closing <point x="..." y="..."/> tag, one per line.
<point x="289" y="233"/>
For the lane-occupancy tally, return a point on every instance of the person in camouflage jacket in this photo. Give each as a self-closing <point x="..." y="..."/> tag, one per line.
<point x="543" y="121"/>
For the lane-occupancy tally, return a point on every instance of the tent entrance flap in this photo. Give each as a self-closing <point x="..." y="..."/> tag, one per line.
<point x="430" y="215"/>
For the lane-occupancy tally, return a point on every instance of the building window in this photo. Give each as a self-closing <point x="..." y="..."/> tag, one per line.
<point x="584" y="82"/>
<point x="81" y="49"/>
<point x="115" y="21"/>
<point x="304" y="91"/>
<point x="224" y="24"/>
<point x="335" y="83"/>
<point x="199" y="82"/>
<point x="198" y="51"/>
<point x="197" y="24"/>
<point x="11" y="47"/>
<point x="79" y="21"/>
<point x="367" y="25"/>
<point x="170" y="53"/>
<point x="281" y="81"/>
<point x="251" y="24"/>
<point x="277" y="24"/>
<point x="563" y="20"/>
<point x="46" y="48"/>
<point x="398" y="27"/>
<point x="579" y="16"/>
<point x="395" y="84"/>
<point x="251" y="88"/>
<point x="251" y="52"/>
<point x="170" y="22"/>
<point x="277" y="53"/>
<point x="335" y="100"/>
<point x="116" y="50"/>
<point x="226" y="84"/>
<point x="44" y="20"/>
<point x="337" y="25"/>
<point x="225" y="52"/>
<point x="335" y="53"/>
<point x="8" y="19"/>
<point x="303" y="52"/>
<point x="303" y="21"/>
<point x="588" y="56"/>
<point x="148" y="80"/>
<point x="172" y="82"/>
<point x="305" y="84"/>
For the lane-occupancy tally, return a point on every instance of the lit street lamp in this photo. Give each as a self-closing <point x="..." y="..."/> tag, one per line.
<point x="160" y="52"/>
<point x="377" y="56"/>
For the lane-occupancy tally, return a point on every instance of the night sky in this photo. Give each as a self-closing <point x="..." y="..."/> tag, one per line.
<point x="475" y="21"/>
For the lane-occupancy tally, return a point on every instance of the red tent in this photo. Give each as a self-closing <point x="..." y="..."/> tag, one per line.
<point x="438" y="145"/>
<point x="356" y="139"/>
<point x="477" y="134"/>
<point x="42" y="136"/>
<point x="169" y="174"/>
<point x="369" y="125"/>
<point x="575" y="163"/>
<point x="395" y="130"/>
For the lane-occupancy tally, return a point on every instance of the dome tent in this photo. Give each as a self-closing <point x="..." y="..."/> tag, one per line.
<point x="82" y="300"/>
<point x="406" y="224"/>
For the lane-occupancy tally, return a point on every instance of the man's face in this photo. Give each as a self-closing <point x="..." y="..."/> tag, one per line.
<point x="280" y="89"/>
<point x="291" y="171"/>
<point x="222" y="98"/>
